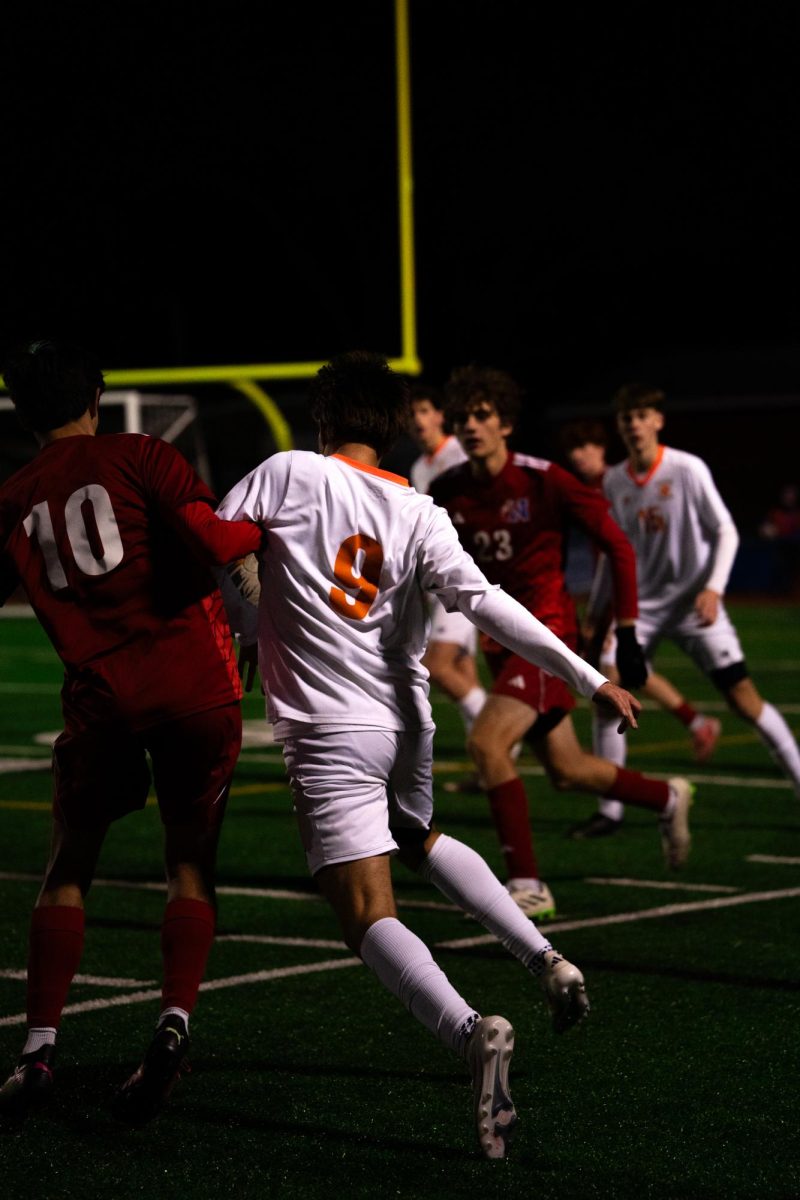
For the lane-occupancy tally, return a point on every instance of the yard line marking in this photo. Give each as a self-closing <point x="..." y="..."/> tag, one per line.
<point x="663" y="884"/>
<point x="15" y="766"/>
<point x="335" y="964"/>
<point x="643" y="914"/>
<point x="781" y="860"/>
<point x="211" y="985"/>
<point x="263" y="939"/>
<point x="30" y="689"/>
<point x="460" y="766"/>
<point x="223" y="890"/>
<point x="90" y="980"/>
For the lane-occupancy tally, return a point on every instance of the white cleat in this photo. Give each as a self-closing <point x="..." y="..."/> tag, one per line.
<point x="676" y="840"/>
<point x="564" y="990"/>
<point x="533" y="902"/>
<point x="488" y="1056"/>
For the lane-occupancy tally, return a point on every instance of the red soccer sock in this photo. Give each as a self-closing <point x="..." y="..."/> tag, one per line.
<point x="55" y="946"/>
<point x="186" y="937"/>
<point x="631" y="787"/>
<point x="509" y="805"/>
<point x="685" y="713"/>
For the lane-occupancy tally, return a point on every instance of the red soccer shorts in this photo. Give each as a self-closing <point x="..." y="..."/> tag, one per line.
<point x="516" y="677"/>
<point x="101" y="771"/>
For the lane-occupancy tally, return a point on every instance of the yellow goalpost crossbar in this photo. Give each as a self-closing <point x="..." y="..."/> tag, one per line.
<point x="243" y="376"/>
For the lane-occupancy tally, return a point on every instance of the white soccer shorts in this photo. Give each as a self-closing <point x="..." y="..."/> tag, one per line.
<point x="349" y="787"/>
<point x="711" y="647"/>
<point x="451" y="627"/>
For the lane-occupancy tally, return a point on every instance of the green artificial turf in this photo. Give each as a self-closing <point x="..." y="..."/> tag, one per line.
<point x="681" y="1084"/>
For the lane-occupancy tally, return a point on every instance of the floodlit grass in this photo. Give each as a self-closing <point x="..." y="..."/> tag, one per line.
<point x="682" y="1083"/>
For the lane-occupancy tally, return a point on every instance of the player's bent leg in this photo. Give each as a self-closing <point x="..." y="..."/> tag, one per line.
<point x="466" y="880"/>
<point x="773" y="730"/>
<point x="503" y="721"/>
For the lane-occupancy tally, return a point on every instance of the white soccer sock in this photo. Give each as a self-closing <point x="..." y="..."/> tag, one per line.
<point x="464" y="878"/>
<point x="44" y="1035"/>
<point x="607" y="743"/>
<point x="470" y="705"/>
<point x="404" y="965"/>
<point x="178" y="1012"/>
<point x="777" y="737"/>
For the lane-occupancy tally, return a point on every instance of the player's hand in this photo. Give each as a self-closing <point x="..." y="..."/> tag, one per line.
<point x="248" y="665"/>
<point x="616" y="699"/>
<point x="630" y="658"/>
<point x="706" y="605"/>
<point x="245" y="576"/>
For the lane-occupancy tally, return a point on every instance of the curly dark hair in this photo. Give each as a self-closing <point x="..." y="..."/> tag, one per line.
<point x="470" y="385"/>
<point x="51" y="383"/>
<point x="357" y="397"/>
<point x="638" y="395"/>
<point x="420" y="390"/>
<point x="578" y="433"/>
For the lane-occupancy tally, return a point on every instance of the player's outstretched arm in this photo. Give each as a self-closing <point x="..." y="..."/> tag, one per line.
<point x="613" y="699"/>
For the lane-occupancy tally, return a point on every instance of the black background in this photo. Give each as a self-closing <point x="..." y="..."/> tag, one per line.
<point x="601" y="193"/>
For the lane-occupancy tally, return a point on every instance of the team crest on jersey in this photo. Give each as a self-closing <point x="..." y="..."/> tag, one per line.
<point x="517" y="681"/>
<point x="515" y="512"/>
<point x="665" y="490"/>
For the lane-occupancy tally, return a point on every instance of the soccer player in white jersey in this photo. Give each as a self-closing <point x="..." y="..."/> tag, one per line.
<point x="685" y="542"/>
<point x="452" y="640"/>
<point x="585" y="443"/>
<point x="351" y="553"/>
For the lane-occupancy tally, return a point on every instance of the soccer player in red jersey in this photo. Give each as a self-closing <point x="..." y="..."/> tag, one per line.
<point x="115" y="541"/>
<point x="511" y="512"/>
<point x="585" y="444"/>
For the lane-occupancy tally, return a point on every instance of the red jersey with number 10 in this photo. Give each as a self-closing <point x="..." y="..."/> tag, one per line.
<point x="514" y="524"/>
<point x="88" y="528"/>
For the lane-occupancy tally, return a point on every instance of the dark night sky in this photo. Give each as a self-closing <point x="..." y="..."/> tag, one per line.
<point x="598" y="189"/>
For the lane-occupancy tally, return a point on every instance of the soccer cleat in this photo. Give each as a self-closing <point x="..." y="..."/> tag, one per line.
<point x="705" y="736"/>
<point x="533" y="902"/>
<point x="488" y="1055"/>
<point x="597" y="825"/>
<point x="676" y="839"/>
<point x="143" y="1095"/>
<point x="564" y="990"/>
<point x="29" y="1086"/>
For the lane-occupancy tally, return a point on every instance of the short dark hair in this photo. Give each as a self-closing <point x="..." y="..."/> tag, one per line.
<point x="357" y="397"/>
<point x="471" y="384"/>
<point x="638" y="395"/>
<point x="51" y="383"/>
<point x="420" y="390"/>
<point x="578" y="433"/>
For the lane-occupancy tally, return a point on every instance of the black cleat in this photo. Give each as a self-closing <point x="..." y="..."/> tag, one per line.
<point x="143" y="1095"/>
<point x="29" y="1086"/>
<point x="597" y="825"/>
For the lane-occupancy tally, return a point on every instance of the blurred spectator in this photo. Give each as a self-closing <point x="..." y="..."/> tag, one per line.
<point x="781" y="526"/>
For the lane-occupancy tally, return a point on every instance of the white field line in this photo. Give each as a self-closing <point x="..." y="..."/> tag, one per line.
<point x="643" y="914"/>
<point x="667" y="910"/>
<point x="211" y="985"/>
<point x="780" y="860"/>
<point x="454" y="766"/>
<point x="222" y="890"/>
<point x="263" y="939"/>
<point x="15" y="766"/>
<point x="90" y="980"/>
<point x="662" y="884"/>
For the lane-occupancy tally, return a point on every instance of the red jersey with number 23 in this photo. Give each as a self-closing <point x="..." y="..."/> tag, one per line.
<point x="88" y="528"/>
<point x="514" y="524"/>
